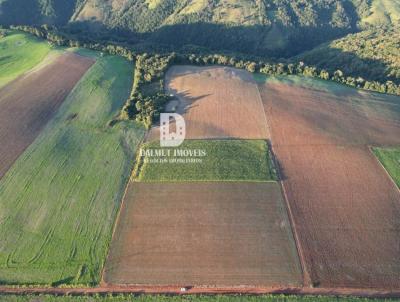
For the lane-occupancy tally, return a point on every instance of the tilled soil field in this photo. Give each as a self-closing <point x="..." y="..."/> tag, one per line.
<point x="29" y="102"/>
<point x="216" y="102"/>
<point x="211" y="234"/>
<point x="346" y="210"/>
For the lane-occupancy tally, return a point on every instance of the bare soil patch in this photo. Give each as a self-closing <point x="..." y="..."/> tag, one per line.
<point x="216" y="102"/>
<point x="29" y="102"/>
<point x="346" y="210"/>
<point x="211" y="234"/>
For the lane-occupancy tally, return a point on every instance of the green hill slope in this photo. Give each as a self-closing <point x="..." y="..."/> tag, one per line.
<point x="372" y="54"/>
<point x="279" y="28"/>
<point x="383" y="12"/>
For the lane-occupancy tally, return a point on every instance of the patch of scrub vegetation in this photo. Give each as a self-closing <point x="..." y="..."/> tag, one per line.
<point x="390" y="159"/>
<point x="383" y="12"/>
<point x="153" y="3"/>
<point x="19" y="53"/>
<point x="188" y="298"/>
<point x="206" y="160"/>
<point x="59" y="200"/>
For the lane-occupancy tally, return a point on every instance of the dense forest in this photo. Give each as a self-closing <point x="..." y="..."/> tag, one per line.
<point x="359" y="37"/>
<point x="373" y="54"/>
<point x="274" y="28"/>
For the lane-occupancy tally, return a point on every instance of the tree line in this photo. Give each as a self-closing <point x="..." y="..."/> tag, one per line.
<point x="148" y="99"/>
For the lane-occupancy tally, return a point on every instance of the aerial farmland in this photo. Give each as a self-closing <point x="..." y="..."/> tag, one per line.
<point x="34" y="98"/>
<point x="348" y="230"/>
<point x="60" y="197"/>
<point x="203" y="233"/>
<point x="282" y="184"/>
<point x="216" y="103"/>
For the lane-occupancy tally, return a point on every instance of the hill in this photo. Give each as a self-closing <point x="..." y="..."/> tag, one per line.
<point x="267" y="28"/>
<point x="382" y="12"/>
<point x="373" y="54"/>
<point x="270" y="27"/>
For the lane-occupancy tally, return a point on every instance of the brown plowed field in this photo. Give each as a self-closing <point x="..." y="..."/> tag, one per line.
<point x="216" y="102"/>
<point x="29" y="102"/>
<point x="212" y="234"/>
<point x="346" y="209"/>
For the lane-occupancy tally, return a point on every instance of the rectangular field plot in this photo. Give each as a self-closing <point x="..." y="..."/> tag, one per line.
<point x="216" y="102"/>
<point x="206" y="160"/>
<point x="346" y="209"/>
<point x="203" y="234"/>
<point x="29" y="102"/>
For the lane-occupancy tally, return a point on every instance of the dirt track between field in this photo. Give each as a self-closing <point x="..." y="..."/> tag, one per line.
<point x="176" y="290"/>
<point x="346" y="210"/>
<point x="29" y="102"/>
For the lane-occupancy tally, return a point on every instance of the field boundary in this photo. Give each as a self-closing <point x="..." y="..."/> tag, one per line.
<point x="196" y="290"/>
<point x="307" y="282"/>
<point x="267" y="127"/>
<point x="116" y="221"/>
<point x="47" y="102"/>
<point x="383" y="167"/>
<point x="306" y="276"/>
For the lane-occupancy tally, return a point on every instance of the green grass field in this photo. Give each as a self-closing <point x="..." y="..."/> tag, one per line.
<point x="18" y="54"/>
<point x="390" y="159"/>
<point x="226" y="160"/>
<point x="218" y="298"/>
<point x="59" y="200"/>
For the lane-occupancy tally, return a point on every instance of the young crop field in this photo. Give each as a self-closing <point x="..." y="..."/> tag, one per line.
<point x="390" y="159"/>
<point x="206" y="160"/>
<point x="203" y="233"/>
<point x="216" y="102"/>
<point x="29" y="102"/>
<point x="59" y="200"/>
<point x="19" y="53"/>
<point x="345" y="207"/>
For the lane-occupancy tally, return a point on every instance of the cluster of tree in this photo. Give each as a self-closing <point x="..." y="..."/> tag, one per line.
<point x="147" y="98"/>
<point x="150" y="69"/>
<point x="299" y="68"/>
<point x="31" y="12"/>
<point x="264" y="27"/>
<point x="373" y="53"/>
<point x="3" y="33"/>
<point x="56" y="37"/>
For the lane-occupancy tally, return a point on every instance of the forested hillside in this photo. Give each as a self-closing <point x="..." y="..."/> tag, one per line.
<point x="373" y="53"/>
<point x="37" y="11"/>
<point x="359" y="37"/>
<point x="278" y="28"/>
